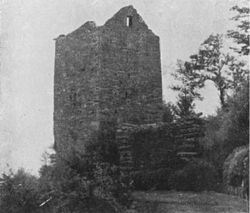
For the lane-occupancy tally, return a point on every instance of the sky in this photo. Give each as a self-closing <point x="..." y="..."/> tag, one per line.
<point x="27" y="30"/>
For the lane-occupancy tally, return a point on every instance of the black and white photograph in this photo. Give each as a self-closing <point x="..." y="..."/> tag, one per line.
<point x="124" y="106"/>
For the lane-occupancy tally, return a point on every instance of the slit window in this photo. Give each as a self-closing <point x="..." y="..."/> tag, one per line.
<point x="129" y="21"/>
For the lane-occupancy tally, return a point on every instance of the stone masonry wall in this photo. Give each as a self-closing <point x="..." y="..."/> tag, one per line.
<point x="130" y="84"/>
<point x="188" y="132"/>
<point x="75" y="82"/>
<point x="184" y="136"/>
<point x="106" y="73"/>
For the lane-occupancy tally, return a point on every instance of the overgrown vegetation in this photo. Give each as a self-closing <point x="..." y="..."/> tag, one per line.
<point x="227" y="130"/>
<point x="92" y="181"/>
<point x="229" y="72"/>
<point x="197" y="175"/>
<point x="236" y="168"/>
<point x="19" y="192"/>
<point x="74" y="182"/>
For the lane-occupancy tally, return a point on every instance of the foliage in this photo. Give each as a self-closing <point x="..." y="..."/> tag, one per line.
<point x="19" y="193"/>
<point x="158" y="179"/>
<point x="230" y="127"/>
<point x="236" y="167"/>
<point x="214" y="64"/>
<point x="73" y="181"/>
<point x="155" y="157"/>
<point x="235" y="125"/>
<point x="188" y="90"/>
<point x="185" y="105"/>
<point x="84" y="182"/>
<point x="197" y="175"/>
<point x="241" y="34"/>
<point x="84" y="189"/>
<point x="88" y="180"/>
<point x="151" y="179"/>
<point x="228" y="130"/>
<point x="190" y="80"/>
<point x="214" y="143"/>
<point x="153" y="148"/>
<point x="168" y="113"/>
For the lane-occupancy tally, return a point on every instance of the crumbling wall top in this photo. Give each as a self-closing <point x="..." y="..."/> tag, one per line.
<point x="127" y="17"/>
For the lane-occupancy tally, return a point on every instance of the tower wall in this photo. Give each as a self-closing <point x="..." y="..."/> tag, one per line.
<point x="130" y="84"/>
<point x="75" y="83"/>
<point x="105" y="73"/>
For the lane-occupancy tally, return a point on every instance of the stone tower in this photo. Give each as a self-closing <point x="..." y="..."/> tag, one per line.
<point x="111" y="72"/>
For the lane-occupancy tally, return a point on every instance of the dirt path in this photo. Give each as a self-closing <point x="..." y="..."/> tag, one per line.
<point x="187" y="202"/>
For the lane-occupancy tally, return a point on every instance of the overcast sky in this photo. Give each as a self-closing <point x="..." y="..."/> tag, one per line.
<point x="28" y="28"/>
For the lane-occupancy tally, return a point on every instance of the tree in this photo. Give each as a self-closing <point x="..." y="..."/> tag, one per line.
<point x="190" y="83"/>
<point x="229" y="129"/>
<point x="213" y="64"/>
<point x="185" y="105"/>
<point x="241" y="34"/>
<point x="168" y="113"/>
<point x="77" y="181"/>
<point x="226" y="71"/>
<point x="190" y="80"/>
<point x="236" y="120"/>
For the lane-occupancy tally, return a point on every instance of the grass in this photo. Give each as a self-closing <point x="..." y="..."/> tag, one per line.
<point x="188" y="202"/>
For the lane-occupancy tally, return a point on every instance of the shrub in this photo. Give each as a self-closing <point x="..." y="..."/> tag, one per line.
<point x="18" y="193"/>
<point x="197" y="175"/>
<point x="154" y="179"/>
<point x="82" y="184"/>
<point x="236" y="167"/>
<point x="153" y="148"/>
<point x="168" y="113"/>
<point x="227" y="130"/>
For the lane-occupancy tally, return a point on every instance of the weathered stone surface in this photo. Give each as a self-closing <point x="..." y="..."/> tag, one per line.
<point x="111" y="72"/>
<point x="184" y="134"/>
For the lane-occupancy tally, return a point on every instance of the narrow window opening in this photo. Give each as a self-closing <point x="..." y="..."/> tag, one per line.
<point x="129" y="21"/>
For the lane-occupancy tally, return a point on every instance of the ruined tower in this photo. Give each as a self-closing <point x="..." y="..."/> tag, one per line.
<point x="109" y="72"/>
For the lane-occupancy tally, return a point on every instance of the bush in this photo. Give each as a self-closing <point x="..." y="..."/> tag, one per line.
<point x="227" y="130"/>
<point x="153" y="148"/>
<point x="236" y="167"/>
<point x="197" y="175"/>
<point x="18" y="193"/>
<point x="155" y="179"/>
<point x="82" y="184"/>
